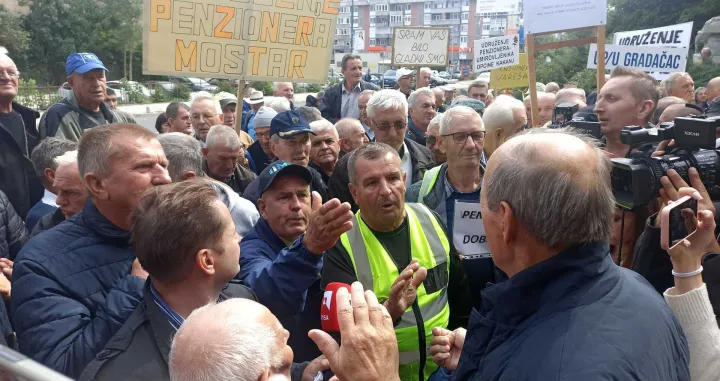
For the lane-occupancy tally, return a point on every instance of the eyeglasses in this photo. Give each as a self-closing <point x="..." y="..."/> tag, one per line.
<point x="461" y="137"/>
<point x="386" y="126"/>
<point x="11" y="74"/>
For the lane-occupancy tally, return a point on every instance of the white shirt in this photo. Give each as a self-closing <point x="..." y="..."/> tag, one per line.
<point x="407" y="165"/>
<point x="49" y="199"/>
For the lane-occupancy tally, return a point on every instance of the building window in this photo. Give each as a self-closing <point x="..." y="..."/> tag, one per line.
<point x="428" y="5"/>
<point x="380" y="7"/>
<point x="454" y="16"/>
<point x="355" y="20"/>
<point x="466" y="3"/>
<point x="345" y="10"/>
<point x="372" y="41"/>
<point x="407" y="20"/>
<point x="464" y="28"/>
<point x="465" y="15"/>
<point x="486" y="27"/>
<point x="463" y="39"/>
<point x="437" y="17"/>
<point x="395" y="18"/>
<point x="408" y="7"/>
<point x="356" y="9"/>
<point x="427" y="17"/>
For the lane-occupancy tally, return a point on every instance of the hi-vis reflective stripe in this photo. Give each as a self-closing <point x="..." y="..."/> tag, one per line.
<point x="433" y="308"/>
<point x="428" y="182"/>
<point x="431" y="231"/>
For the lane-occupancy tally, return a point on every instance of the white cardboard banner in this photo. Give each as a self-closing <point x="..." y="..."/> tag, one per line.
<point x="671" y="36"/>
<point x="496" y="52"/>
<point x="490" y="6"/>
<point x="420" y="46"/>
<point x="469" y="232"/>
<point x="649" y="59"/>
<point x="542" y="16"/>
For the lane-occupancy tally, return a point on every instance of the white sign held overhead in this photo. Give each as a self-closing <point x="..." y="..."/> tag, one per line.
<point x="649" y="59"/>
<point x="489" y="6"/>
<point x="496" y="52"/>
<point x="542" y="16"/>
<point x="672" y="36"/>
<point x="420" y="46"/>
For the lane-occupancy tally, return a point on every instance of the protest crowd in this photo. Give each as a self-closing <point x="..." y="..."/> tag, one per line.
<point x="408" y="234"/>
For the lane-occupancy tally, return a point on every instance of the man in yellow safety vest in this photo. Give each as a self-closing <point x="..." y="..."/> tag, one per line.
<point x="402" y="253"/>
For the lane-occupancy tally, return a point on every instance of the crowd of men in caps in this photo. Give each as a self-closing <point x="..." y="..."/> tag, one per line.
<point x="203" y="253"/>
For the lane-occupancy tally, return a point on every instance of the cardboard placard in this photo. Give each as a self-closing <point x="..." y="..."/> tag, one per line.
<point x="420" y="46"/>
<point x="671" y="36"/>
<point x="542" y="16"/>
<point x="511" y="77"/>
<point x="267" y="40"/>
<point x="649" y="59"/>
<point x="497" y="52"/>
<point x="490" y="6"/>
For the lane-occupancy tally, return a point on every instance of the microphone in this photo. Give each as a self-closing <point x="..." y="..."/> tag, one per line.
<point x="328" y="310"/>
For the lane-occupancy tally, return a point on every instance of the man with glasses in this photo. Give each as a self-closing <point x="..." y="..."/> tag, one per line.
<point x="18" y="137"/>
<point x="388" y="115"/>
<point x="452" y="190"/>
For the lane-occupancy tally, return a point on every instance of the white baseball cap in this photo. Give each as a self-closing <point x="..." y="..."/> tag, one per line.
<point x="402" y="72"/>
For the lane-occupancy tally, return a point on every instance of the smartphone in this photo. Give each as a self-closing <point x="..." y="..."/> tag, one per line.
<point x="677" y="221"/>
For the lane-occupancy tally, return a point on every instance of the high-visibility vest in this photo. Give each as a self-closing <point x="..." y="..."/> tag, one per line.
<point x="428" y="182"/>
<point x="377" y="271"/>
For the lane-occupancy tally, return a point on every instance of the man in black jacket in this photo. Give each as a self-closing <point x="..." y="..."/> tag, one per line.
<point x="18" y="137"/>
<point x="340" y="100"/>
<point x="388" y="114"/>
<point x="198" y="255"/>
<point x="221" y="154"/>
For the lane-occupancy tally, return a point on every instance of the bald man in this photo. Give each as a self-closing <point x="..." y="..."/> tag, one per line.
<point x="677" y="111"/>
<point x="713" y="92"/>
<point x="546" y="105"/>
<point x="503" y="119"/>
<point x="351" y="134"/>
<point x="439" y="99"/>
<point x="663" y="104"/>
<point x="563" y="291"/>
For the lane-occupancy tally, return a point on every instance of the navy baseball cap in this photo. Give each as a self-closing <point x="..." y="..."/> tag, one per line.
<point x="288" y="124"/>
<point x="83" y="63"/>
<point x="279" y="169"/>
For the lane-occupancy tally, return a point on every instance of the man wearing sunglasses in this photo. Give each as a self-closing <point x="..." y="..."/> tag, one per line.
<point x="387" y="112"/>
<point x="452" y="190"/>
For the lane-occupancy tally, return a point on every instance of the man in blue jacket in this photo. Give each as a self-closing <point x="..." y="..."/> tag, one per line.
<point x="567" y="312"/>
<point x="76" y="284"/>
<point x="282" y="256"/>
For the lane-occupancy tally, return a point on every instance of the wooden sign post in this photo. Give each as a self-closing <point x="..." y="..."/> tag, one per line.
<point x="532" y="47"/>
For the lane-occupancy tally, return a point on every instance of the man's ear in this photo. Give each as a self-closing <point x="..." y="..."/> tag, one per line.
<point x="262" y="208"/>
<point x="49" y="174"/>
<point x="70" y="80"/>
<point x="508" y="223"/>
<point x="96" y="187"/>
<point x="205" y="261"/>
<point x="189" y="175"/>
<point x="645" y="108"/>
<point x="353" y="192"/>
<point x="441" y="145"/>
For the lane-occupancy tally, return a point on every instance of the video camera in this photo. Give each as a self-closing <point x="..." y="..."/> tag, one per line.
<point x="636" y="180"/>
<point x="563" y="117"/>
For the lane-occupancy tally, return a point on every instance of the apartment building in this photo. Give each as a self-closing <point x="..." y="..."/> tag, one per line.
<point x="372" y="24"/>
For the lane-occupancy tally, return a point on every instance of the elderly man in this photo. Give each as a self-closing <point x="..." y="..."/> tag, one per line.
<point x="392" y="248"/>
<point x="552" y="87"/>
<point x="259" y="153"/>
<point x="423" y="108"/>
<point x="341" y="100"/>
<point x="279" y="104"/>
<point x="228" y="107"/>
<point x="84" y="271"/>
<point x="564" y="290"/>
<point x="450" y="91"/>
<point x="290" y="141"/>
<point x="571" y="96"/>
<point x="363" y="100"/>
<point x="310" y="114"/>
<point x="43" y="159"/>
<point x="546" y="106"/>
<point x="387" y="111"/>
<point x="254" y="102"/>
<point x="178" y="118"/>
<point x="478" y="90"/>
<point x="627" y="99"/>
<point x="423" y="80"/>
<point x="204" y="114"/>
<point x="85" y="107"/>
<point x="71" y="194"/>
<point x="190" y="258"/>
<point x="439" y="99"/>
<point x="221" y="154"/>
<point x="324" y="148"/>
<point x="680" y="85"/>
<point x="18" y="137"/>
<point x="433" y="135"/>
<point x="351" y="135"/>
<point x="713" y="95"/>
<point x="677" y="111"/>
<point x="404" y="79"/>
<point x="282" y="255"/>
<point x="284" y="90"/>
<point x="664" y="103"/>
<point x="185" y="162"/>
<point x="503" y="119"/>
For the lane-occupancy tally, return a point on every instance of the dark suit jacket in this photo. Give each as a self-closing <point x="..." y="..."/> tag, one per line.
<point x="331" y="105"/>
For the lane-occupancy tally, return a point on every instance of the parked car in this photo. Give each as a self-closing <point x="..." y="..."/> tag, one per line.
<point x="375" y="78"/>
<point x="438" y="81"/>
<point x="168" y="86"/>
<point x="388" y="80"/>
<point x="65" y="90"/>
<point x="444" y="75"/>
<point x="195" y="84"/>
<point x="131" y="85"/>
<point x="457" y="75"/>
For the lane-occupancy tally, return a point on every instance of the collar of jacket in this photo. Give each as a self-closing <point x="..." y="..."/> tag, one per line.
<point x="265" y="233"/>
<point x="29" y="117"/>
<point x="104" y="108"/>
<point x="419" y="159"/>
<point x="413" y="129"/>
<point x="550" y="286"/>
<point x="95" y="221"/>
<point x="162" y="330"/>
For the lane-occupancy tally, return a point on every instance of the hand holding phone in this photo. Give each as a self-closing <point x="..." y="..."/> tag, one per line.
<point x="677" y="221"/>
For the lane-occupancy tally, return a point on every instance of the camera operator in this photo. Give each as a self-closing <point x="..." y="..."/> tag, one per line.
<point x="627" y="99"/>
<point x="689" y="298"/>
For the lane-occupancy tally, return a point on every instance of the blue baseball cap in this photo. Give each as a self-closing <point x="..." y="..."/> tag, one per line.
<point x="279" y="169"/>
<point x="83" y="63"/>
<point x="288" y="124"/>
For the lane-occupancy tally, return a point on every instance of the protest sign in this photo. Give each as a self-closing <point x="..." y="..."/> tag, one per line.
<point x="511" y="77"/>
<point x="469" y="232"/>
<point x="491" y="6"/>
<point x="497" y="52"/>
<point x="266" y="40"/>
<point x="643" y="58"/>
<point x="420" y="46"/>
<point x="543" y="16"/>
<point x="672" y="36"/>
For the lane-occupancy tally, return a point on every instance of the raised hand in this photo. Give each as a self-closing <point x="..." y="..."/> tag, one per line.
<point x="326" y="224"/>
<point x="404" y="290"/>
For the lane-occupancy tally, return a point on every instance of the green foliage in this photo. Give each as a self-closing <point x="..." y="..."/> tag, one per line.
<point x="226" y="86"/>
<point x="314" y="88"/>
<point x="29" y="95"/>
<point x="586" y="79"/>
<point x="702" y="73"/>
<point x="180" y="93"/>
<point x="265" y="87"/>
<point x="12" y="36"/>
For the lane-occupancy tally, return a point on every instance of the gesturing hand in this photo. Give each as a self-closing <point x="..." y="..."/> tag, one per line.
<point x="326" y="224"/>
<point x="404" y="290"/>
<point x="369" y="350"/>
<point x="446" y="346"/>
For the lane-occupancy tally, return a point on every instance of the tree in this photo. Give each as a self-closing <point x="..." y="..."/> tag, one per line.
<point x="12" y="36"/>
